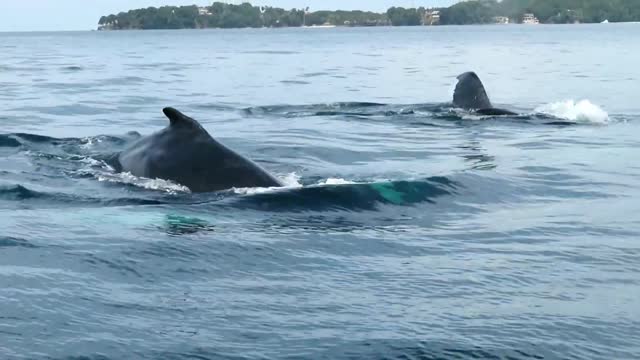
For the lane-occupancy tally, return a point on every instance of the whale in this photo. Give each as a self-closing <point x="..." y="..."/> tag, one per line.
<point x="470" y="95"/>
<point x="185" y="153"/>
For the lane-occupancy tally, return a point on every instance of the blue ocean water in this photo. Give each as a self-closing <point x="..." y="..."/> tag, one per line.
<point x="407" y="230"/>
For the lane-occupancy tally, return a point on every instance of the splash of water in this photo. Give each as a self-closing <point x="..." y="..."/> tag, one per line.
<point x="581" y="111"/>
<point x="292" y="180"/>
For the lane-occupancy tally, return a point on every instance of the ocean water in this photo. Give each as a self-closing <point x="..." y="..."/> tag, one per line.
<point x="407" y="229"/>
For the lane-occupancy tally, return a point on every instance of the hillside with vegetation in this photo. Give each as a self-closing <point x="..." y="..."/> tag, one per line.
<point x="547" y="11"/>
<point x="222" y="15"/>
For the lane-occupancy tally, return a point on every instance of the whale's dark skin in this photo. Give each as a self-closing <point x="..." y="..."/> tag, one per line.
<point x="185" y="153"/>
<point x="471" y="95"/>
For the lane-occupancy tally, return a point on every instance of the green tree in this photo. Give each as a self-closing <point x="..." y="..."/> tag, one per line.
<point x="404" y="17"/>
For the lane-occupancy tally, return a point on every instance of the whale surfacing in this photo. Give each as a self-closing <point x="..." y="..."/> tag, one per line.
<point x="185" y="153"/>
<point x="471" y="95"/>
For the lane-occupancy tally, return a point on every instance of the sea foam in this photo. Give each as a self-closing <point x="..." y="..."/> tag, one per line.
<point x="582" y="111"/>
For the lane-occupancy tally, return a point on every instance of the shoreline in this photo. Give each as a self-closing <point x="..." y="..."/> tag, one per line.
<point x="352" y="27"/>
<point x="309" y="27"/>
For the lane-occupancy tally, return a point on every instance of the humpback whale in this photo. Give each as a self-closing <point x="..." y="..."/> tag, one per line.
<point x="471" y="95"/>
<point x="185" y="153"/>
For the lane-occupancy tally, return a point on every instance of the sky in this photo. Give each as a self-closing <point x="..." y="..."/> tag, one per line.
<point x="58" y="15"/>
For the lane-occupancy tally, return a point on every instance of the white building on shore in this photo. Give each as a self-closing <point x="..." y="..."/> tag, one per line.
<point x="204" y="11"/>
<point x="530" y="19"/>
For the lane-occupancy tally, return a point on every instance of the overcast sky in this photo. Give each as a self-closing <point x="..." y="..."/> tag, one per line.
<point x="44" y="15"/>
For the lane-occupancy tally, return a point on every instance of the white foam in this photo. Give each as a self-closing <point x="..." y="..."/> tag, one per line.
<point x="91" y="141"/>
<point x="254" y="191"/>
<point x="291" y="181"/>
<point x="91" y="162"/>
<point x="151" y="184"/>
<point x="581" y="111"/>
<point x="336" y="181"/>
<point x="467" y="115"/>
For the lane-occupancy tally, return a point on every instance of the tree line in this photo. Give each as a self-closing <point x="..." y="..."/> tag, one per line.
<point x="547" y="11"/>
<point x="222" y="15"/>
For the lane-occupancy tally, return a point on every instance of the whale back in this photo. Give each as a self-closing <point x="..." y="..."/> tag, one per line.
<point x="185" y="153"/>
<point x="470" y="93"/>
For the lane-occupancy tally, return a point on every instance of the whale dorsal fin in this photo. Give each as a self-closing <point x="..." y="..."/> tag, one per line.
<point x="178" y="119"/>
<point x="470" y="93"/>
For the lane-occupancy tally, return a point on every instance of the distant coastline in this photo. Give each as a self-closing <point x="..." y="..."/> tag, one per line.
<point x="222" y="15"/>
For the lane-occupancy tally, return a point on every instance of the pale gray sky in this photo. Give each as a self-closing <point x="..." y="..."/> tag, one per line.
<point x="45" y="15"/>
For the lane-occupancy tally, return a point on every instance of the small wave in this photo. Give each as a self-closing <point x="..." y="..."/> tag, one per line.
<point x="70" y="110"/>
<point x="581" y="111"/>
<point x="91" y="141"/>
<point x="15" y="242"/>
<point x="8" y="141"/>
<point x="314" y="74"/>
<point x="72" y="68"/>
<point x="341" y="194"/>
<point x="17" y="192"/>
<point x="176" y="225"/>
<point x="35" y="138"/>
<point x="295" y="82"/>
<point x="21" y="193"/>
<point x="73" y="145"/>
<point x="271" y="52"/>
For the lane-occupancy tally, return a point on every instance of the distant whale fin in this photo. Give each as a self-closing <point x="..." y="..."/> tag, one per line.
<point x="470" y="93"/>
<point x="178" y="119"/>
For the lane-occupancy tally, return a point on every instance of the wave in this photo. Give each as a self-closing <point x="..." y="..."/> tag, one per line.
<point x="33" y="138"/>
<point x="8" y="241"/>
<point x="24" y="194"/>
<point x="72" y="68"/>
<point x="71" y="145"/>
<point x="326" y="195"/>
<point x="340" y="194"/>
<point x="8" y="141"/>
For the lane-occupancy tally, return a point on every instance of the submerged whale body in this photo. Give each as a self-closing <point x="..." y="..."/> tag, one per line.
<point x="185" y="153"/>
<point x="471" y="95"/>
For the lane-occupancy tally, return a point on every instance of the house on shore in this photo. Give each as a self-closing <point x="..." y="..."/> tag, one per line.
<point x="204" y="11"/>
<point x="530" y="19"/>
<point x="431" y="17"/>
